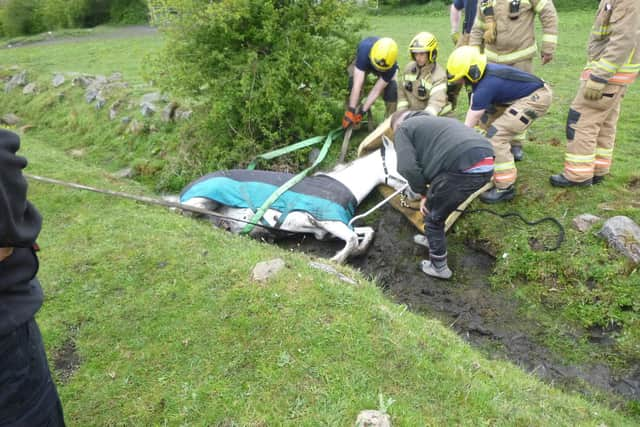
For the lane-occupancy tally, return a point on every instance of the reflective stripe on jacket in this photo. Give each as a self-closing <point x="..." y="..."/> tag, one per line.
<point x="614" y="43"/>
<point x="515" y="39"/>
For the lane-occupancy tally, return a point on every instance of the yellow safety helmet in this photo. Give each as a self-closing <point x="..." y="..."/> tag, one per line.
<point x="466" y="62"/>
<point x="384" y="54"/>
<point x="424" y="43"/>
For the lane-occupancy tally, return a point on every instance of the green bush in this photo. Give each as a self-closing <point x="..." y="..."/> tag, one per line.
<point x="128" y="11"/>
<point x="20" y="17"/>
<point x="270" y="73"/>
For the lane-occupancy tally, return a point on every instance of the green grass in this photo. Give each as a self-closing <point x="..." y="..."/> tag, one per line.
<point x="170" y="330"/>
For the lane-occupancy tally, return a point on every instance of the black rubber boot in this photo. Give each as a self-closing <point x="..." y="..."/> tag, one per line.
<point x="497" y="195"/>
<point x="517" y="152"/>
<point x="560" y="180"/>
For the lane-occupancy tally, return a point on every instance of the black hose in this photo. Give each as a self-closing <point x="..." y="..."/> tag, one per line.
<point x="559" y="240"/>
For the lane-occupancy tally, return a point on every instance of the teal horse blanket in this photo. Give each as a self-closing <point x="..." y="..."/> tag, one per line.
<point x="323" y="197"/>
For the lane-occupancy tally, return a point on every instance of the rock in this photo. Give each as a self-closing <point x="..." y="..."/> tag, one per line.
<point x="371" y="418"/>
<point x="148" y="109"/>
<point x="10" y="119"/>
<point x="125" y="119"/>
<point x="584" y="222"/>
<point x="90" y="95"/>
<point x="123" y="173"/>
<point x="623" y="235"/>
<point x="183" y="114"/>
<point x="328" y="269"/>
<point x="82" y="81"/>
<point x="58" y="80"/>
<point x="135" y="127"/>
<point x="264" y="270"/>
<point x="29" y="89"/>
<point x="100" y="101"/>
<point x="150" y="98"/>
<point x="169" y="112"/>
<point x="19" y="79"/>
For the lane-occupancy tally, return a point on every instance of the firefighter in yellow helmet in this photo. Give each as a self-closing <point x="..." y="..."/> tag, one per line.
<point x="377" y="56"/>
<point x="514" y="97"/>
<point x="423" y="84"/>
<point x="506" y="28"/>
<point x="613" y="64"/>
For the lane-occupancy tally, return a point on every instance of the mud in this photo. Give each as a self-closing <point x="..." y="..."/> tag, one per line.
<point x="483" y="317"/>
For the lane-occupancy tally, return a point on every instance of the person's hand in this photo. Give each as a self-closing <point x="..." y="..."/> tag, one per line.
<point x="490" y="32"/>
<point x="455" y="37"/>
<point x="546" y="58"/>
<point x="593" y="90"/>
<point x="351" y="118"/>
<point x="423" y="206"/>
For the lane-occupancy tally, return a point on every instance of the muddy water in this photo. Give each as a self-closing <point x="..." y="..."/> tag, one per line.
<point x="485" y="318"/>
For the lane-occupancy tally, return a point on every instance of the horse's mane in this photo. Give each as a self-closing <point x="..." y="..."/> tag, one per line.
<point x="341" y="166"/>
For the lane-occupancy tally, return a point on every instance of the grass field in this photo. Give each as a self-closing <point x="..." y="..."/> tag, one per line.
<point x="151" y="318"/>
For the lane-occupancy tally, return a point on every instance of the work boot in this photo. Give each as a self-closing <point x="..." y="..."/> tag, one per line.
<point x="517" y="152"/>
<point x="497" y="195"/>
<point x="421" y="240"/>
<point x="560" y="180"/>
<point x="431" y="270"/>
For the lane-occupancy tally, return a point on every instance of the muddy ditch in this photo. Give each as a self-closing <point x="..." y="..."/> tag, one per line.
<point x="487" y="319"/>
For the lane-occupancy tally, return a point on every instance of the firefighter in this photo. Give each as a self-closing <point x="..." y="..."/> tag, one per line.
<point x="458" y="36"/>
<point x="507" y="31"/>
<point x="423" y="85"/>
<point x="377" y="56"/>
<point x="614" y="62"/>
<point x="453" y="160"/>
<point x="504" y="102"/>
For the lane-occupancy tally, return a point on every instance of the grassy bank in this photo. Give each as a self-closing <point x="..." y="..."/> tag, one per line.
<point x="151" y="318"/>
<point x="170" y="329"/>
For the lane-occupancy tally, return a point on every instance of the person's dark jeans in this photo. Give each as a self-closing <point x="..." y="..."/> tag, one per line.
<point x="28" y="396"/>
<point x="446" y="192"/>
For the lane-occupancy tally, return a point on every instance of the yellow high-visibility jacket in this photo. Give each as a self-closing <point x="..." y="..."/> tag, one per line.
<point x="614" y="43"/>
<point x="515" y="39"/>
<point x="423" y="89"/>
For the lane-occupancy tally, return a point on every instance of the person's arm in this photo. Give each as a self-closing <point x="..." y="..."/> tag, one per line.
<point x="358" y="82"/>
<point x="549" y="21"/>
<point x="376" y="90"/>
<point x="454" y="19"/>
<point x="473" y="117"/>
<point x="621" y="41"/>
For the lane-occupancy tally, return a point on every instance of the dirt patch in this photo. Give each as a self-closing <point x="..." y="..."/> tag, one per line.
<point x="66" y="360"/>
<point x="467" y="304"/>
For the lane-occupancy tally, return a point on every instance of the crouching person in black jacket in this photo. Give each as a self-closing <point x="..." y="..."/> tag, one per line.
<point x="28" y="396"/>
<point x="445" y="162"/>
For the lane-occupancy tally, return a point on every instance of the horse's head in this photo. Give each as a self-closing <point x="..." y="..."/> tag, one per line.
<point x="390" y="165"/>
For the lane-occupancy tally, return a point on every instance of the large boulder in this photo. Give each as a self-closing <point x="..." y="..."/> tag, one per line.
<point x="624" y="235"/>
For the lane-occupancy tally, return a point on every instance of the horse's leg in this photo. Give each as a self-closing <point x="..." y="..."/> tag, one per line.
<point x="343" y="232"/>
<point x="365" y="237"/>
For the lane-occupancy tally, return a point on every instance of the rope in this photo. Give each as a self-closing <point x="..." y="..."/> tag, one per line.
<point x="143" y="199"/>
<point x="559" y="239"/>
<point x="294" y="180"/>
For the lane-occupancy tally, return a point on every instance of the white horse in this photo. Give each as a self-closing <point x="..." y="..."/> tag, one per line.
<point x="360" y="177"/>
